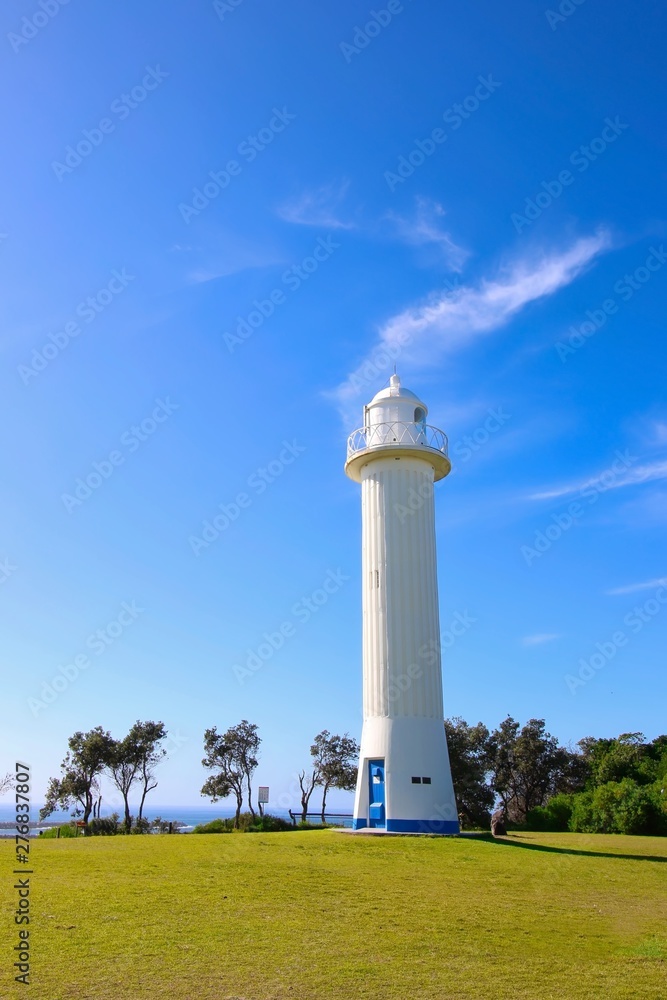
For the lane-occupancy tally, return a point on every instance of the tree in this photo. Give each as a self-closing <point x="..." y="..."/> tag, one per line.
<point x="123" y="767"/>
<point x="307" y="782"/>
<point x="469" y="761"/>
<point x="527" y="766"/>
<point x="143" y="740"/>
<point x="335" y="759"/>
<point x="627" y="756"/>
<point x="233" y="754"/>
<point x="84" y="762"/>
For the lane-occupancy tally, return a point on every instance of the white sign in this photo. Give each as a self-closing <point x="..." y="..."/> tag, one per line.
<point x="263" y="794"/>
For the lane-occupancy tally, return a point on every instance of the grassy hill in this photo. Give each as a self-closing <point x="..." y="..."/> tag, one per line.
<point x="322" y="914"/>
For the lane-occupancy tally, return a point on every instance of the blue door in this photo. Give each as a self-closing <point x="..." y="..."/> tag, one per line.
<point x="376" y="814"/>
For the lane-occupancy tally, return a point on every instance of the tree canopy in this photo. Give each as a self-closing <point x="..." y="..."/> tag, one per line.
<point x="233" y="755"/>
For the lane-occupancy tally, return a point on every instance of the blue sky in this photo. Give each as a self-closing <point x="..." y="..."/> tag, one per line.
<point x="221" y="225"/>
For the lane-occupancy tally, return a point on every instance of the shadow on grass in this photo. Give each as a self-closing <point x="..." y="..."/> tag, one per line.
<point x="511" y="842"/>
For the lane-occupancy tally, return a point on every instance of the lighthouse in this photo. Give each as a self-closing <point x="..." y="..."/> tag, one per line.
<point x="405" y="782"/>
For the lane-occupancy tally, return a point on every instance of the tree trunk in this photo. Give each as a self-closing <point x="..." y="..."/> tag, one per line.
<point x="143" y="799"/>
<point x="239" y="806"/>
<point x="88" y="808"/>
<point x="305" y="802"/>
<point x="325" y="789"/>
<point x="250" y="797"/>
<point x="128" y="818"/>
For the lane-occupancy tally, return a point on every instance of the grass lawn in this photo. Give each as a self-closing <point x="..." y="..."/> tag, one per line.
<point x="323" y="914"/>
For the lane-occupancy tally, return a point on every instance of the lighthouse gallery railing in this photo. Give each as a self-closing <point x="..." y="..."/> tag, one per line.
<point x="388" y="435"/>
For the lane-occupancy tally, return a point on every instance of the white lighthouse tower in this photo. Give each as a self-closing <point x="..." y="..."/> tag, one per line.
<point x="405" y="782"/>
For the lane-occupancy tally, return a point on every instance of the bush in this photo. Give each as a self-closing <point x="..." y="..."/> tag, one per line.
<point x="68" y="830"/>
<point x="141" y="826"/>
<point x="215" y="826"/>
<point x="253" y="824"/>
<point x="270" y="824"/>
<point x="554" y="817"/>
<point x="620" y="807"/>
<point x="103" y="826"/>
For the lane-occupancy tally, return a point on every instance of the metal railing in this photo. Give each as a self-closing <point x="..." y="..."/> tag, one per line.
<point x="298" y="816"/>
<point x="388" y="435"/>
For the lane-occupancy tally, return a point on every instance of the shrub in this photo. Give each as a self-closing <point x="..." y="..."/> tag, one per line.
<point x="270" y="824"/>
<point x="215" y="826"/>
<point x="67" y="830"/>
<point x="250" y="824"/>
<point x="554" y="817"/>
<point x="620" y="807"/>
<point x="141" y="826"/>
<point x="103" y="826"/>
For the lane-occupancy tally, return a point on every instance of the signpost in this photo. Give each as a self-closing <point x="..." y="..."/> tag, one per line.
<point x="263" y="798"/>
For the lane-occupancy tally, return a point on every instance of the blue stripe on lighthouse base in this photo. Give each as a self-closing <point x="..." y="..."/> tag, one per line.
<point x="422" y="826"/>
<point x="441" y="826"/>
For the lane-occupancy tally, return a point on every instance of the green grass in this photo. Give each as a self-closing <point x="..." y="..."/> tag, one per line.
<point x="318" y="915"/>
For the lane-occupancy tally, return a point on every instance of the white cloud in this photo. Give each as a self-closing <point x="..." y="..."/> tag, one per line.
<point x="632" y="476"/>
<point x="660" y="432"/>
<point x="538" y="640"/>
<point x="454" y="319"/>
<point x="317" y="208"/>
<point x="451" y="320"/>
<point x="423" y="229"/>
<point x="633" y="587"/>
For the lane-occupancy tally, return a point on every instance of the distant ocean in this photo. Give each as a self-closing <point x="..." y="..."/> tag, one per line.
<point x="191" y="816"/>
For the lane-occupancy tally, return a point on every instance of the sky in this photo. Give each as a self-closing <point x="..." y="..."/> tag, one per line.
<point x="221" y="225"/>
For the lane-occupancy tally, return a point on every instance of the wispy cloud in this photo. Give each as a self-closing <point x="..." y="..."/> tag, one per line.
<point x="538" y="640"/>
<point x="449" y="321"/>
<point x="660" y="432"/>
<point x="424" y="228"/>
<point x="230" y="260"/>
<point x="633" y="587"/>
<point x="454" y="319"/>
<point x="320" y="207"/>
<point x="632" y="476"/>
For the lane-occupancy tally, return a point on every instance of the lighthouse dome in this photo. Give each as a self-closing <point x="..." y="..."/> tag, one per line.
<point x="395" y="402"/>
<point x="395" y="426"/>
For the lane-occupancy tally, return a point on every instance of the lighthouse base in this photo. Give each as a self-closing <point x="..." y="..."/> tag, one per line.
<point x="405" y="783"/>
<point x="443" y="826"/>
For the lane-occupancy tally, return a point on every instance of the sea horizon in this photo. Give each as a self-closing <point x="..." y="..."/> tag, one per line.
<point x="190" y="816"/>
